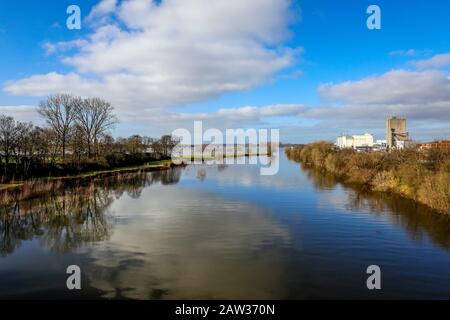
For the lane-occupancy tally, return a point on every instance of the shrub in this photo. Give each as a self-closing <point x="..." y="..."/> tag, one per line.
<point x="420" y="175"/>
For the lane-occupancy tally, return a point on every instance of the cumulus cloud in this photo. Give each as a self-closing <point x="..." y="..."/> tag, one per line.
<point x="418" y="95"/>
<point x="63" y="46"/>
<point x="24" y="113"/>
<point x="371" y="114"/>
<point x="224" y="117"/>
<point x="394" y="87"/>
<point x="423" y="97"/>
<point x="156" y="55"/>
<point x="102" y="9"/>
<point x="163" y="121"/>
<point x="437" y="61"/>
<point x="145" y="56"/>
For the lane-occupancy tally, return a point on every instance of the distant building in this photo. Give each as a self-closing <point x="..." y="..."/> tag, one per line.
<point x="364" y="140"/>
<point x="357" y="142"/>
<point x="405" y="144"/>
<point x="380" y="145"/>
<point x="396" y="132"/>
<point x="440" y="144"/>
<point x="344" y="141"/>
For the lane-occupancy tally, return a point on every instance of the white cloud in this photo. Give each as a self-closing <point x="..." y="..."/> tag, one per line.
<point x="422" y="97"/>
<point x="24" y="113"/>
<point x="42" y="85"/>
<point x="163" y="121"/>
<point x="409" y="53"/>
<point x="171" y="53"/>
<point x="222" y="118"/>
<point x="144" y="57"/>
<point x="62" y="46"/>
<point x="394" y="87"/>
<point x="437" y="61"/>
<point x="368" y="115"/>
<point x="104" y="7"/>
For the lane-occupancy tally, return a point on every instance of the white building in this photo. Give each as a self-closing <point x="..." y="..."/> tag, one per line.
<point x="380" y="145"/>
<point x="344" y="141"/>
<point x="406" y="144"/>
<point x="355" y="141"/>
<point x="364" y="140"/>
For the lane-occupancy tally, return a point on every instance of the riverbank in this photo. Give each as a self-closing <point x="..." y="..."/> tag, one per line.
<point x="23" y="190"/>
<point x="421" y="176"/>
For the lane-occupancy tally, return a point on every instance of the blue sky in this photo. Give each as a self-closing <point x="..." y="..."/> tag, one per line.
<point x="311" y="68"/>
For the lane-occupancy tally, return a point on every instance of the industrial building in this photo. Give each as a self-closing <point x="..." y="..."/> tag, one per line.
<point x="344" y="141"/>
<point x="439" y="144"/>
<point x="397" y="137"/>
<point x="356" y="141"/>
<point x="396" y="133"/>
<point x="379" y="145"/>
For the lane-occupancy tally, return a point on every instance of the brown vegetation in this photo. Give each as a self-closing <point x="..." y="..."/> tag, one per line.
<point x="423" y="176"/>
<point x="31" y="189"/>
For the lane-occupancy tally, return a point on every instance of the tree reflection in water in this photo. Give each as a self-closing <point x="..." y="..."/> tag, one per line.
<point x="71" y="218"/>
<point x="417" y="219"/>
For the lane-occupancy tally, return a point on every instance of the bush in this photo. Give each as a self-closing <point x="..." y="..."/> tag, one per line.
<point x="420" y="175"/>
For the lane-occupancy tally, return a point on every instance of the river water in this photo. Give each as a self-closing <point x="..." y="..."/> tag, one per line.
<point x="223" y="232"/>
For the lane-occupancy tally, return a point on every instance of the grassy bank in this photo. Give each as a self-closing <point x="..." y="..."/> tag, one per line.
<point x="22" y="190"/>
<point x="421" y="176"/>
<point x="155" y="165"/>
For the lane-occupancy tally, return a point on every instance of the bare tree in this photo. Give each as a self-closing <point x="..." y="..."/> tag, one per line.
<point x="79" y="128"/>
<point x="51" y="144"/>
<point x="38" y="145"/>
<point x="134" y="144"/>
<point x="21" y="145"/>
<point x="78" y="143"/>
<point x="25" y="147"/>
<point x="60" y="111"/>
<point x="8" y="137"/>
<point x="165" y="145"/>
<point x="95" y="117"/>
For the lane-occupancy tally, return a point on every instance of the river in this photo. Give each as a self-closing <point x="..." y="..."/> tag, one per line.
<point x="223" y="232"/>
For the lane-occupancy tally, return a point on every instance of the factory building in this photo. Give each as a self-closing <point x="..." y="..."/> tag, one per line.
<point x="396" y="133"/>
<point x="364" y="140"/>
<point x="380" y="145"/>
<point x="439" y="144"/>
<point x="356" y="141"/>
<point x="344" y="141"/>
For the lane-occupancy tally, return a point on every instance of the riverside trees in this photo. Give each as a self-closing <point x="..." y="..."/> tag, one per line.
<point x="94" y="117"/>
<point x="60" y="111"/>
<point x="77" y="137"/>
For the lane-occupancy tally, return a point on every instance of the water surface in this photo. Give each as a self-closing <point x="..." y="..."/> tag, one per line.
<point x="222" y="232"/>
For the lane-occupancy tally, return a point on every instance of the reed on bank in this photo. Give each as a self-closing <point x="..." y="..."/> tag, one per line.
<point x="22" y="190"/>
<point x="423" y="176"/>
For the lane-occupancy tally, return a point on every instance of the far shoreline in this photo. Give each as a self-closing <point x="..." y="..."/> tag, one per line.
<point x="34" y="187"/>
<point x="151" y="166"/>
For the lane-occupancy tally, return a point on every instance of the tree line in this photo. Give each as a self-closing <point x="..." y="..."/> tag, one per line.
<point x="77" y="137"/>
